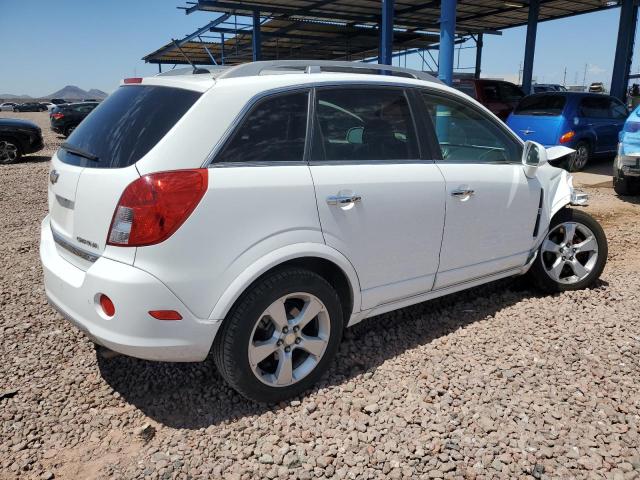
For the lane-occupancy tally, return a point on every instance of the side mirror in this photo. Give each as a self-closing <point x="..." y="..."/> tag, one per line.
<point x="533" y="156"/>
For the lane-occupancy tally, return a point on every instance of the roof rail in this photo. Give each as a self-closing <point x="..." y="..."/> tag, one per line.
<point x="318" y="66"/>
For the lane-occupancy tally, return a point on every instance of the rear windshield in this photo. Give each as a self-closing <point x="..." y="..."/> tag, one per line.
<point x="543" y="105"/>
<point x="129" y="123"/>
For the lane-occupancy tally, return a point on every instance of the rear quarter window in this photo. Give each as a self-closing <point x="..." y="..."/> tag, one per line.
<point x="129" y="123"/>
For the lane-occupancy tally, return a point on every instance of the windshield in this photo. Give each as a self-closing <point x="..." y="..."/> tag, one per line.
<point x="542" y="105"/>
<point x="123" y="128"/>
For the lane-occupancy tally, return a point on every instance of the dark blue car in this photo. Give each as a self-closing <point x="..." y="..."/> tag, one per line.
<point x="587" y="122"/>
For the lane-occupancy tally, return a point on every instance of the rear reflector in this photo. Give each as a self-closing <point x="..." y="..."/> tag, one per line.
<point x="153" y="207"/>
<point x="133" y="80"/>
<point x="165" y="315"/>
<point x="567" y="136"/>
<point x="107" y="305"/>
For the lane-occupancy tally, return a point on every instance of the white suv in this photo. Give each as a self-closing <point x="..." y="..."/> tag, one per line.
<point x="258" y="210"/>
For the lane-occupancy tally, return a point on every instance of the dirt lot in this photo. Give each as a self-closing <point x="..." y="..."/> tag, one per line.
<point x="498" y="382"/>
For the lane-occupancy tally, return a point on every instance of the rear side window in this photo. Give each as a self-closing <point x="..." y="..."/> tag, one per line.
<point x="542" y="105"/>
<point x="595" y="107"/>
<point x="273" y="131"/>
<point x="129" y="123"/>
<point x="363" y="124"/>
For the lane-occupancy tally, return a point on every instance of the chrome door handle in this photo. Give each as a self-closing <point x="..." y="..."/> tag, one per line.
<point x="463" y="192"/>
<point x="342" y="200"/>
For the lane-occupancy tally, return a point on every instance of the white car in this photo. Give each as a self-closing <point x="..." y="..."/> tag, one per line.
<point x="7" y="106"/>
<point x="256" y="215"/>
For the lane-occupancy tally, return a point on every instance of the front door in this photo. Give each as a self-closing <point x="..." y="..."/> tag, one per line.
<point x="379" y="203"/>
<point x="491" y="205"/>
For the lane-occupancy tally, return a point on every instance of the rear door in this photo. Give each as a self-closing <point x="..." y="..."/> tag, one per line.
<point x="491" y="205"/>
<point x="97" y="162"/>
<point x="380" y="197"/>
<point x="597" y="111"/>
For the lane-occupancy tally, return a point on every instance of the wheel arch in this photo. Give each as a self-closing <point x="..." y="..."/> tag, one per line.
<point x="321" y="259"/>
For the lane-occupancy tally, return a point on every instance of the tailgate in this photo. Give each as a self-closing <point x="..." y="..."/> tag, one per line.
<point x="81" y="206"/>
<point x="541" y="129"/>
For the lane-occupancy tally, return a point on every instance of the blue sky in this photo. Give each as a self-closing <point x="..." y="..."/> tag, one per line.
<point x="46" y="44"/>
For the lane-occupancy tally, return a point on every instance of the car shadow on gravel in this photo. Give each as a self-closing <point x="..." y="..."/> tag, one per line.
<point x="193" y="395"/>
<point x="33" y="159"/>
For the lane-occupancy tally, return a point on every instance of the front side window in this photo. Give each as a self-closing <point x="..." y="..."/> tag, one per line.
<point x="364" y="124"/>
<point x="273" y="131"/>
<point x="467" y="135"/>
<point x="618" y="110"/>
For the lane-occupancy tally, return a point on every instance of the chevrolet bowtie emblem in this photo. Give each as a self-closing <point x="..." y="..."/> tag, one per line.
<point x="53" y="176"/>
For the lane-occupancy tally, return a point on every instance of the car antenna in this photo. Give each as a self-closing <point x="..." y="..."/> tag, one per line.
<point x="195" y="69"/>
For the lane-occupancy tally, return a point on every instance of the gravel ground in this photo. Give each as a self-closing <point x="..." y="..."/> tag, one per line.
<point x="497" y="382"/>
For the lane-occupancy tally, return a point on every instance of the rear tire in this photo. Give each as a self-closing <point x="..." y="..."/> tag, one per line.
<point x="572" y="255"/>
<point x="580" y="159"/>
<point x="264" y="347"/>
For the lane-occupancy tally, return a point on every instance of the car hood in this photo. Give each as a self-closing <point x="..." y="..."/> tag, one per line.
<point x="17" y="123"/>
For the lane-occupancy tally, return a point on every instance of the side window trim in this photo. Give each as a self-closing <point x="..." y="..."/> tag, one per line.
<point x="455" y="98"/>
<point x="315" y="125"/>
<point x="245" y="112"/>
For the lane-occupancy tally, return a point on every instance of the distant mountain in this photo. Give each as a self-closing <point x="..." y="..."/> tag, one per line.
<point x="71" y="92"/>
<point x="95" y="93"/>
<point x="10" y="96"/>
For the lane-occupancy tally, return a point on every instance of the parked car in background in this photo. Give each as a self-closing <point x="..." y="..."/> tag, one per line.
<point x="597" y="87"/>
<point x="497" y="95"/>
<point x="194" y="214"/>
<point x="7" y="106"/>
<point x="50" y="106"/>
<point x="626" y="168"/>
<point x="58" y="101"/>
<point x="30" y="107"/>
<point x="587" y="122"/>
<point x="65" y="118"/>
<point x="548" y="87"/>
<point x="18" y="137"/>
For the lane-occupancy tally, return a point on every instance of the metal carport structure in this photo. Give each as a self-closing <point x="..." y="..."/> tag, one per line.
<point x="450" y="19"/>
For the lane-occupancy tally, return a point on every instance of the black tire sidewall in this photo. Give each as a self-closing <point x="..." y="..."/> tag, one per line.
<point x="540" y="276"/>
<point x="231" y="343"/>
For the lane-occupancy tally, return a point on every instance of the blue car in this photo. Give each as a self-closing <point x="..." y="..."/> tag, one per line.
<point x="587" y="122"/>
<point x="626" y="168"/>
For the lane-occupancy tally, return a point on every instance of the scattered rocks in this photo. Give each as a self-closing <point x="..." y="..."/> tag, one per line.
<point x="497" y="382"/>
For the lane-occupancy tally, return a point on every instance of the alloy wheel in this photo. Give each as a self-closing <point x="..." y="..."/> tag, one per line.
<point x="289" y="339"/>
<point x="581" y="157"/>
<point x="569" y="253"/>
<point x="8" y="152"/>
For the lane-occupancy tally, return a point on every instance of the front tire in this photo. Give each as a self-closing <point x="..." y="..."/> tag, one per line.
<point x="572" y="255"/>
<point x="625" y="186"/>
<point x="9" y="151"/>
<point x="280" y="336"/>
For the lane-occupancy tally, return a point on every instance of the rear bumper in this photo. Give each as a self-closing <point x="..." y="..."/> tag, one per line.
<point x="627" y="167"/>
<point x="131" y="331"/>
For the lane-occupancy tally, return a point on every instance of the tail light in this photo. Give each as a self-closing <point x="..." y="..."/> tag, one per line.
<point x="57" y="116"/>
<point x="567" y="136"/>
<point x="131" y="80"/>
<point x="154" y="206"/>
